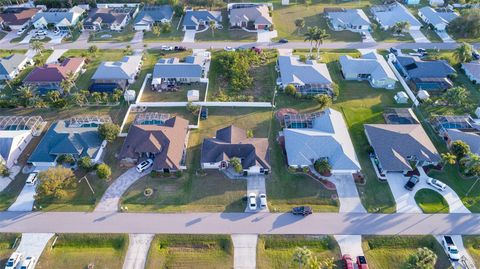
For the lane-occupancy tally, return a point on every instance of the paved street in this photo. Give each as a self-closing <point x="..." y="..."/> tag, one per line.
<point x="234" y="223"/>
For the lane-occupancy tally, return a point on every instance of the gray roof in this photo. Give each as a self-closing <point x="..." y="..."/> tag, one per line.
<point x="10" y="63"/>
<point x="417" y="68"/>
<point x="192" y="17"/>
<point x="438" y="17"/>
<point x="292" y="71"/>
<point x="393" y="13"/>
<point x="152" y="14"/>
<point x="473" y="69"/>
<point x="329" y="138"/>
<point x="371" y="63"/>
<point x="123" y="69"/>
<point x="105" y="16"/>
<point x="172" y="68"/>
<point x="394" y="143"/>
<point x="355" y="17"/>
<point x="54" y="17"/>
<point x="471" y="138"/>
<point x="62" y="139"/>
<point x="259" y="14"/>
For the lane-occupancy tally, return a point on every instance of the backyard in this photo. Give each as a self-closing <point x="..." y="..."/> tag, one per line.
<point x="180" y="95"/>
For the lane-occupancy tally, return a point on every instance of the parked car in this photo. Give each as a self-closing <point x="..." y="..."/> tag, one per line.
<point x="179" y="48"/>
<point x="475" y="55"/>
<point x="302" y="210"/>
<point x="22" y="31"/>
<point x="412" y="182"/>
<point x="204" y="113"/>
<point x="40" y="32"/>
<point x="437" y="184"/>
<point x="252" y="201"/>
<point x="450" y="248"/>
<point x="32" y="178"/>
<point x="347" y="261"/>
<point x="263" y="200"/>
<point x="362" y="262"/>
<point x="144" y="165"/>
<point x="14" y="260"/>
<point x="422" y="51"/>
<point x="395" y="51"/>
<point x="227" y="48"/>
<point x="283" y="41"/>
<point x="28" y="263"/>
<point x="166" y="48"/>
<point x="363" y="35"/>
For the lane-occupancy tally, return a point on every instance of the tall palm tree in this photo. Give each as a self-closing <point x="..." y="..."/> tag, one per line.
<point x="25" y="93"/>
<point x="310" y="36"/>
<point x="213" y="26"/>
<point x="93" y="50"/>
<point x="53" y="96"/>
<point x="463" y="53"/>
<point x="299" y="23"/>
<point x="320" y="36"/>
<point x="156" y="30"/>
<point x="449" y="158"/>
<point x="37" y="46"/>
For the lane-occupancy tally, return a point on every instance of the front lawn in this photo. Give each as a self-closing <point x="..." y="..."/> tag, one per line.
<point x="191" y="251"/>
<point x="431" y="201"/>
<point x="175" y="34"/>
<point x="126" y="35"/>
<point x="83" y="250"/>
<point x="472" y="244"/>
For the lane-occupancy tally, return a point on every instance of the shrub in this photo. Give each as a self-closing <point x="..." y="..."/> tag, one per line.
<point x="108" y="131"/>
<point x="322" y="166"/>
<point x="4" y="172"/>
<point x="290" y="90"/>
<point x="85" y="163"/>
<point x="236" y="164"/>
<point x="104" y="171"/>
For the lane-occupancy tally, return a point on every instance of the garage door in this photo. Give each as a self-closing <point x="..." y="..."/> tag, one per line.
<point x="190" y="27"/>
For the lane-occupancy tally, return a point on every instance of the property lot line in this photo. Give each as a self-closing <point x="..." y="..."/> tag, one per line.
<point x="210" y="104"/>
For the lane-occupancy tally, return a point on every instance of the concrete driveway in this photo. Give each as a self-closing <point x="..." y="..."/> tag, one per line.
<point x="138" y="37"/>
<point x="244" y="251"/>
<point x="10" y="35"/>
<point x="189" y="36"/>
<point x="137" y="253"/>
<point x="256" y="184"/>
<point x="25" y="199"/>
<point x="32" y="244"/>
<point x="347" y="193"/>
<point x="445" y="37"/>
<point x="464" y="255"/>
<point x="57" y="53"/>
<point x="350" y="244"/>
<point x="368" y="38"/>
<point x="111" y="198"/>
<point x="266" y="36"/>
<point x="418" y="36"/>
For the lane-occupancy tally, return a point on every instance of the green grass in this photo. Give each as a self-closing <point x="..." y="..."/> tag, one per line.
<point x="190" y="251"/>
<point x="431" y="35"/>
<point x="225" y="34"/>
<point x="472" y="244"/>
<point x="80" y="250"/>
<point x="392" y="252"/>
<point x="276" y="251"/>
<point x="173" y="35"/>
<point x="431" y="201"/>
<point x="2" y="34"/>
<point x="123" y="36"/>
<point x="178" y="96"/>
<point x="6" y="246"/>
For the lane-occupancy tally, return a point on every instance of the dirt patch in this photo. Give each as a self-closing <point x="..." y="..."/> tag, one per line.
<point x="280" y="115"/>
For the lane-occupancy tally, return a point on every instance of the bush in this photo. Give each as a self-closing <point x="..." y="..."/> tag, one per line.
<point x="104" y="171"/>
<point x="66" y="158"/>
<point x="290" y="90"/>
<point x="54" y="182"/>
<point x="236" y="164"/>
<point x="85" y="163"/>
<point x="4" y="172"/>
<point x="108" y="131"/>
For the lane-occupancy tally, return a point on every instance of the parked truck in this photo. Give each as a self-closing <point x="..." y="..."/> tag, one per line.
<point x="450" y="248"/>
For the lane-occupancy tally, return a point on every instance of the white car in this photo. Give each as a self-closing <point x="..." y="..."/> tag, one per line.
<point x="252" y="201"/>
<point x="144" y="165"/>
<point x="437" y="184"/>
<point x="14" y="260"/>
<point x="228" y="49"/>
<point x="167" y="48"/>
<point x="32" y="178"/>
<point x="263" y="200"/>
<point x="21" y="31"/>
<point x="40" y="32"/>
<point x="28" y="263"/>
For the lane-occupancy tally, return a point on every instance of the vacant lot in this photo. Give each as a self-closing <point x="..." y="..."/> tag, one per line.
<point x="6" y="244"/>
<point x="472" y="244"/>
<point x="126" y="35"/>
<point x="176" y="33"/>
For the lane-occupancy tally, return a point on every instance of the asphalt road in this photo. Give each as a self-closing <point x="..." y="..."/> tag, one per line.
<point x="239" y="223"/>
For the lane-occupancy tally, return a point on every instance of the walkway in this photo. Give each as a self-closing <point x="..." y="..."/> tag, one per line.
<point x="25" y="199"/>
<point x="138" y="37"/>
<point x="418" y="36"/>
<point x="244" y="251"/>
<point x="111" y="198"/>
<point x="56" y="54"/>
<point x="32" y="244"/>
<point x="137" y="253"/>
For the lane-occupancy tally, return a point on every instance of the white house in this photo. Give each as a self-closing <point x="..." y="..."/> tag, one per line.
<point x="151" y="15"/>
<point x="11" y="66"/>
<point x="389" y="15"/>
<point x="199" y="19"/>
<point x="438" y="19"/>
<point x="254" y="16"/>
<point x="61" y="19"/>
<point x="354" y="20"/>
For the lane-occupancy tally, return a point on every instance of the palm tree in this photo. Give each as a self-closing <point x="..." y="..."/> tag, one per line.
<point x="320" y="36"/>
<point x="463" y="53"/>
<point x="67" y="84"/>
<point x="328" y="263"/>
<point x="25" y="93"/>
<point x="314" y="263"/>
<point x="117" y="94"/>
<point x="37" y="46"/>
<point x="400" y="27"/>
<point x="299" y="23"/>
<point x="301" y="256"/>
<point x="79" y="99"/>
<point x="97" y="96"/>
<point x="449" y="158"/>
<point x="53" y="96"/>
<point x="156" y="30"/>
<point x="323" y="100"/>
<point x="472" y="164"/>
<point x="93" y="50"/>
<point x="213" y="26"/>
<point x="128" y="50"/>
<point x="310" y="36"/>
<point x="322" y="166"/>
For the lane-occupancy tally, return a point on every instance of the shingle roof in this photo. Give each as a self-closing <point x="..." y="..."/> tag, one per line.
<point x="394" y="143"/>
<point x="105" y="16"/>
<point x="192" y="17"/>
<point x="471" y="138"/>
<point x="172" y="68"/>
<point x="258" y="14"/>
<point x="152" y="14"/>
<point x="355" y="17"/>
<point x="123" y="69"/>
<point x="54" y="72"/>
<point x="18" y="16"/>
<point x="473" y="69"/>
<point x="231" y="142"/>
<point x="417" y="68"/>
<point x="435" y="17"/>
<point x="55" y="17"/>
<point x="391" y="14"/>
<point x="10" y="63"/>
<point x="294" y="71"/>
<point x="370" y="63"/>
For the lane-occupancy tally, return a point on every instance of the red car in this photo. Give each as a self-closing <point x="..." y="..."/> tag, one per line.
<point x="362" y="262"/>
<point x="347" y="262"/>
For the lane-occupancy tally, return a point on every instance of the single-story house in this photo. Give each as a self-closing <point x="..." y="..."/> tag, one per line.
<point x="443" y="123"/>
<point x="438" y="19"/>
<point x="371" y="67"/>
<point x="158" y="137"/>
<point x="470" y="137"/>
<point x="198" y="19"/>
<point x="472" y="71"/>
<point x="114" y="19"/>
<point x="233" y="142"/>
<point x="77" y="137"/>
<point x="170" y="71"/>
<point x="151" y="15"/>
<point x="389" y="15"/>
<point x="319" y="136"/>
<point x="60" y="18"/>
<point x="118" y="74"/>
<point x="425" y="75"/>
<point x="11" y="66"/>
<point x="310" y="77"/>
<point x="15" y="134"/>
<point x="17" y="17"/>
<point x="49" y="76"/>
<point x="250" y="15"/>
<point x="400" y="147"/>
<point x="354" y="20"/>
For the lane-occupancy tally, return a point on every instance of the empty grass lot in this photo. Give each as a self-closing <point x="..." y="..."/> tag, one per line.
<point x="392" y="252"/>
<point x="431" y="201"/>
<point x="176" y="33"/>
<point x="472" y="244"/>
<point x="190" y="251"/>
<point x="6" y="246"/>
<point x="81" y="250"/>
<point x="276" y="251"/>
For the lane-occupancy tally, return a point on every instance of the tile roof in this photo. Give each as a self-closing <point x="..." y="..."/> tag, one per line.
<point x="55" y="72"/>
<point x="296" y="72"/>
<point x="438" y="17"/>
<point x="356" y="17"/>
<point x="389" y="15"/>
<point x="18" y="16"/>
<point x="193" y="17"/>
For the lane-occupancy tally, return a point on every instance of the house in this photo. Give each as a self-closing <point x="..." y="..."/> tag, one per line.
<point x="459" y="127"/>
<point x="389" y="15"/>
<point x="60" y="18"/>
<point x="11" y="66"/>
<point x="354" y="20"/>
<point x="49" y="76"/>
<point x="400" y="147"/>
<point x="437" y="19"/>
<point x="114" y="19"/>
<point x="401" y="97"/>
<point x="151" y="15"/>
<point x="470" y="137"/>
<point x="371" y="67"/>
<point x="199" y="19"/>
<point x="159" y="137"/>
<point x="17" y="17"/>
<point x="113" y="75"/>
<point x="310" y="77"/>
<point x="425" y="75"/>
<point x="253" y="16"/>
<point x="170" y="71"/>
<point x="319" y="136"/>
<point x="15" y="134"/>
<point x="472" y="71"/>
<point x="233" y="142"/>
<point x="77" y="136"/>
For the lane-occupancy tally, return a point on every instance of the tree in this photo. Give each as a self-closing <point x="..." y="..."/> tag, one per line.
<point x="301" y="256"/>
<point x="117" y="94"/>
<point x="456" y="96"/>
<point x="93" y="50"/>
<point x="194" y="109"/>
<point x="108" y="131"/>
<point x="400" y="27"/>
<point x="467" y="25"/>
<point x="460" y="149"/>
<point x="53" y="96"/>
<point x="68" y="83"/>
<point x="300" y="24"/>
<point x="156" y="30"/>
<point x="328" y="263"/>
<point x="322" y="166"/>
<point x="472" y="164"/>
<point x="320" y="36"/>
<point x="290" y="90"/>
<point x="449" y="158"/>
<point x="25" y="93"/>
<point x="323" y="100"/>
<point x="104" y="171"/>
<point x="424" y="258"/>
<point x="249" y="133"/>
<point x="85" y="163"/>
<point x="97" y="97"/>
<point x="213" y="26"/>
<point x="179" y="10"/>
<point x="128" y="50"/>
<point x="463" y="53"/>
<point x="310" y="36"/>
<point x="54" y="181"/>
<point x="166" y="27"/>
<point x="314" y="263"/>
<point x="37" y="46"/>
<point x="78" y="98"/>
<point x="236" y="164"/>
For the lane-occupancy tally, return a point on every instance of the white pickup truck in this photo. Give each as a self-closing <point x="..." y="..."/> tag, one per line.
<point x="450" y="248"/>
